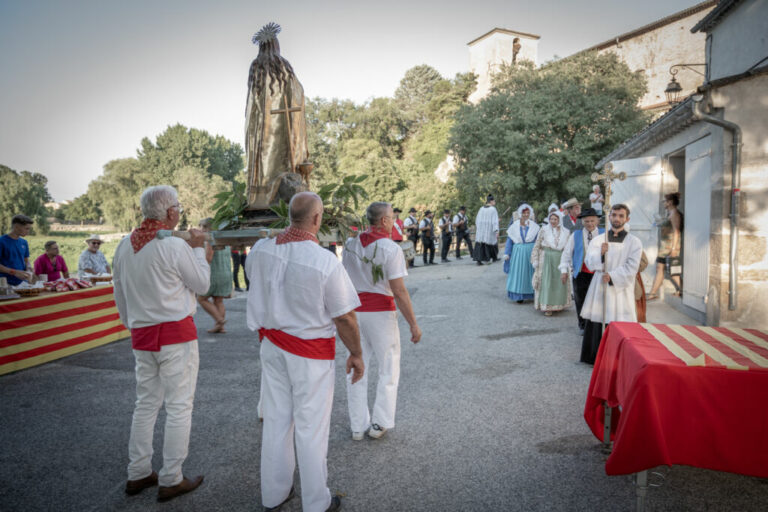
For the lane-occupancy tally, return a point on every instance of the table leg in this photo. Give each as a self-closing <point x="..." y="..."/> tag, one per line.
<point x="641" y="490"/>
<point x="607" y="424"/>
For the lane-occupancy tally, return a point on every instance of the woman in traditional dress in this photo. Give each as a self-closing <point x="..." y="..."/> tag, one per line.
<point x="521" y="236"/>
<point x="221" y="284"/>
<point x="551" y="294"/>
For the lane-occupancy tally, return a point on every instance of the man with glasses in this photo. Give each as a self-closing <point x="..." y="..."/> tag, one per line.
<point x="92" y="260"/>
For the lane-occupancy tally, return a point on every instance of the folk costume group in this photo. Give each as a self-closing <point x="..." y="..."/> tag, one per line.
<point x="300" y="298"/>
<point x="570" y="256"/>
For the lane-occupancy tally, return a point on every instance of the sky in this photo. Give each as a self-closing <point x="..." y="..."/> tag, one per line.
<point x="83" y="81"/>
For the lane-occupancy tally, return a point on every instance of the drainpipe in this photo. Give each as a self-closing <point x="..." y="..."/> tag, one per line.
<point x="735" y="192"/>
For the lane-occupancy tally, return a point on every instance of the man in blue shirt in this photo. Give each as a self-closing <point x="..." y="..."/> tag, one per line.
<point x="14" y="251"/>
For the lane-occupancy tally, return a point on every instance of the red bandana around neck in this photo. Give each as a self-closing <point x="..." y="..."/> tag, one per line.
<point x="145" y="233"/>
<point x="294" y="234"/>
<point x="370" y="235"/>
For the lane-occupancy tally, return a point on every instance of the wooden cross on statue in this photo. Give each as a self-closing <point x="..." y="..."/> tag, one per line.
<point x="607" y="177"/>
<point x="288" y="111"/>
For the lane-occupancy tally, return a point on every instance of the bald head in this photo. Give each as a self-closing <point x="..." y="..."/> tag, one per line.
<point x="306" y="211"/>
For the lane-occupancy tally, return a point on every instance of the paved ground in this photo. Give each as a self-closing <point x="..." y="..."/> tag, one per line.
<point x="489" y="418"/>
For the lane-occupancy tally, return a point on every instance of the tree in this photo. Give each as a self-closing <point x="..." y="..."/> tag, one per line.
<point x="23" y="193"/>
<point x="179" y="146"/>
<point x="197" y="193"/>
<point x="415" y="91"/>
<point x="81" y="209"/>
<point x="118" y="190"/>
<point x="539" y="133"/>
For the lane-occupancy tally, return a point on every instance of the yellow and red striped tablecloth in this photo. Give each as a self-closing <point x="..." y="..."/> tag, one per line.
<point x="37" y="330"/>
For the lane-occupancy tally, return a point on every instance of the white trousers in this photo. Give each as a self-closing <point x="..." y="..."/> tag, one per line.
<point x="380" y="337"/>
<point x="171" y="376"/>
<point x="296" y="399"/>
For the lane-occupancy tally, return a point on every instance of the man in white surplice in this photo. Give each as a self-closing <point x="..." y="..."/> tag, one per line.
<point x="487" y="232"/>
<point x="614" y="257"/>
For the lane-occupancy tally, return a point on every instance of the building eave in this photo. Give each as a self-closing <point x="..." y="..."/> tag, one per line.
<point x="503" y="31"/>
<point x="652" y="26"/>
<point x="671" y="123"/>
<point x="708" y="22"/>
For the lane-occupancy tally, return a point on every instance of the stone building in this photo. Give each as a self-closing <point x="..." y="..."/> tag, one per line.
<point x="713" y="148"/>
<point x="655" y="47"/>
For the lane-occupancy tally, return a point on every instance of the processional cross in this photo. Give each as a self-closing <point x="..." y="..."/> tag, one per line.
<point x="288" y="111"/>
<point x="607" y="177"/>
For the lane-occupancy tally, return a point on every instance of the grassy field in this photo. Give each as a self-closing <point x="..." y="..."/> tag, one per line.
<point x="71" y="244"/>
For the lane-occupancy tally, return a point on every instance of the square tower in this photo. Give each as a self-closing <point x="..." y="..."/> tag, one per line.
<point x="487" y="52"/>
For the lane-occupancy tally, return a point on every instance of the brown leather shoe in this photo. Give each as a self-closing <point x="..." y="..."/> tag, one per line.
<point x="136" y="486"/>
<point x="186" y="485"/>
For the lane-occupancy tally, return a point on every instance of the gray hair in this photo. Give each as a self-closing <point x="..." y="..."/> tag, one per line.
<point x="49" y="244"/>
<point x="156" y="200"/>
<point x="376" y="211"/>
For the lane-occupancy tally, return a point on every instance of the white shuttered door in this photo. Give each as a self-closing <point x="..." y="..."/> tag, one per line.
<point x="698" y="188"/>
<point x="640" y="192"/>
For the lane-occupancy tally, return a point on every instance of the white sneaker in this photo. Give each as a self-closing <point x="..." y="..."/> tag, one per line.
<point x="376" y="432"/>
<point x="357" y="436"/>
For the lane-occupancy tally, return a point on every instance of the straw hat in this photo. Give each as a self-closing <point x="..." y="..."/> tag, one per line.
<point x="94" y="237"/>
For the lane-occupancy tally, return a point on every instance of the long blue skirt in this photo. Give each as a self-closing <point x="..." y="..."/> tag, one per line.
<point x="520" y="279"/>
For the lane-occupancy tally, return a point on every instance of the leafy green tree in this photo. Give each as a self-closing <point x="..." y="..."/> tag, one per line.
<point x="82" y="209"/>
<point x="179" y="146"/>
<point x="538" y="135"/>
<point x="197" y="193"/>
<point x="415" y="91"/>
<point x="23" y="193"/>
<point x="117" y="192"/>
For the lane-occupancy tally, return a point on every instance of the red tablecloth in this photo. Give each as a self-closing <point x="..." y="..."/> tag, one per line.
<point x="40" y="329"/>
<point x="695" y="396"/>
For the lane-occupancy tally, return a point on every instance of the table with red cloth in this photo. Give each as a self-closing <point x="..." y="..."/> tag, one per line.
<point x="40" y="329"/>
<point x="685" y="395"/>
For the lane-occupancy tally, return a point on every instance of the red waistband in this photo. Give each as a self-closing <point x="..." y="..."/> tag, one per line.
<point x="585" y="269"/>
<point x="153" y="337"/>
<point x="372" y="302"/>
<point x="317" y="348"/>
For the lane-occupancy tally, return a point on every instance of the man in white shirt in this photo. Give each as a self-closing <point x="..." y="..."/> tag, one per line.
<point x="155" y="285"/>
<point x="574" y="256"/>
<point x="411" y="225"/>
<point x="92" y="260"/>
<point x="379" y="333"/>
<point x="446" y="235"/>
<point x="299" y="292"/>
<point x="461" y="225"/>
<point x="487" y="232"/>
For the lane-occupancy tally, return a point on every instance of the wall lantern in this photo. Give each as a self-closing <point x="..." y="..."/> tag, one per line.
<point x="674" y="89"/>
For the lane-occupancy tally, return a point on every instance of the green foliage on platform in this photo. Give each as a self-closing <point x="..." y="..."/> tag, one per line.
<point x="537" y="136"/>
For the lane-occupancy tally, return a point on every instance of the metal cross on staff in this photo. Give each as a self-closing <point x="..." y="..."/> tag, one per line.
<point x="607" y="177"/>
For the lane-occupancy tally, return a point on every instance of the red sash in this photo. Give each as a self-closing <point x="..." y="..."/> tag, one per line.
<point x="153" y="337"/>
<point x="373" y="302"/>
<point x="585" y="269"/>
<point x="317" y="348"/>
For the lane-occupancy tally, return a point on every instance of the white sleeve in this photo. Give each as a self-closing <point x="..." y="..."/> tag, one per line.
<point x="566" y="260"/>
<point x="394" y="267"/>
<point x="339" y="294"/>
<point x="192" y="267"/>
<point x="594" y="260"/>
<point x="117" y="283"/>
<point x="624" y="276"/>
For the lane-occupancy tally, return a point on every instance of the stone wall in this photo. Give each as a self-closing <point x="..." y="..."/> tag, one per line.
<point x="655" y="51"/>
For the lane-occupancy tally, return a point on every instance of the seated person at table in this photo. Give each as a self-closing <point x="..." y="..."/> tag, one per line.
<point x="92" y="260"/>
<point x="51" y="262"/>
<point x="14" y="251"/>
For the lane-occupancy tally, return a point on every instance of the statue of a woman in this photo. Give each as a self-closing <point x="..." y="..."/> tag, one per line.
<point x="275" y="126"/>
